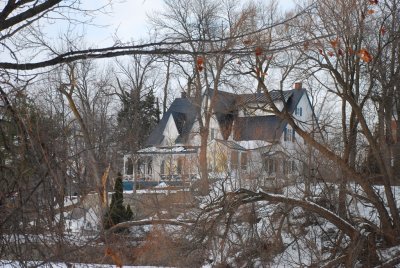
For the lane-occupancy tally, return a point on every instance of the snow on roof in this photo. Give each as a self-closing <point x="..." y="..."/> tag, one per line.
<point x="168" y="150"/>
<point x="254" y="144"/>
<point x="162" y="185"/>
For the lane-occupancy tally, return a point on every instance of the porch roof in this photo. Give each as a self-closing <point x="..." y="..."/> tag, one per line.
<point x="169" y="150"/>
<point x="231" y="144"/>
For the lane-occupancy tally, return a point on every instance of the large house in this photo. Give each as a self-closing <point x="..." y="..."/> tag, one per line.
<point x="246" y="140"/>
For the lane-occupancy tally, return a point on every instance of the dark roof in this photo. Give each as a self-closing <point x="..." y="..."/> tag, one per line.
<point x="226" y="110"/>
<point x="260" y="97"/>
<point x="267" y="128"/>
<point x="184" y="114"/>
<point x="225" y="122"/>
<point x="225" y="102"/>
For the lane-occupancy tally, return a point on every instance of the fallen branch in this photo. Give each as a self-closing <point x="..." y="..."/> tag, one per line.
<point x="128" y="224"/>
<point x="248" y="196"/>
<point x="390" y="263"/>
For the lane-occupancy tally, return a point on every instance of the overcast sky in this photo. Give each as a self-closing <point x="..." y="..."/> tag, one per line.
<point x="129" y="18"/>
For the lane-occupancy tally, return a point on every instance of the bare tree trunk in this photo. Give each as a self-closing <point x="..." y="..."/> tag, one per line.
<point x="167" y="77"/>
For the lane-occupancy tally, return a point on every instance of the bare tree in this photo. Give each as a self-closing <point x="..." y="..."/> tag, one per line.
<point x="206" y="29"/>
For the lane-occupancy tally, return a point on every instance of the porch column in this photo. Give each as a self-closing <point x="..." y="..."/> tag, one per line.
<point x="124" y="168"/>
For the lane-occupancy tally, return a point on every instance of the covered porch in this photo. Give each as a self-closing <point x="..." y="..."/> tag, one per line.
<point x="161" y="164"/>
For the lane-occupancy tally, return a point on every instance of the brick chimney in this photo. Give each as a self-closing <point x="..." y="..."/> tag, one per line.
<point x="298" y="85"/>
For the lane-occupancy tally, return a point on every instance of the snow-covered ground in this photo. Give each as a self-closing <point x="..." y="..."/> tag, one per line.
<point x="14" y="264"/>
<point x="304" y="242"/>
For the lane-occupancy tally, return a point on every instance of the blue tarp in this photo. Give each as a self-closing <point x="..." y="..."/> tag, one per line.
<point x="130" y="185"/>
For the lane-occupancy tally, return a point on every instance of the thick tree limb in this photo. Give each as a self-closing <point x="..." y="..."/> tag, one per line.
<point x="342" y="224"/>
<point x="390" y="263"/>
<point x="27" y="14"/>
<point x="335" y="262"/>
<point x="157" y="48"/>
<point x="128" y="224"/>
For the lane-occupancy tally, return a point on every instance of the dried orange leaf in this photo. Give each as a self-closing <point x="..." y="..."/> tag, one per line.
<point x="258" y="51"/>
<point x="200" y="60"/>
<point x="334" y="43"/>
<point x="364" y="55"/>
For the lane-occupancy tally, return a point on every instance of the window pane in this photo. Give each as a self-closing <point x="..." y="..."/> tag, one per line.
<point x="243" y="161"/>
<point x="212" y="134"/>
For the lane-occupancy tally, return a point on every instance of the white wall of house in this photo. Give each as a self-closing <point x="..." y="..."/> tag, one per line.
<point x="214" y="130"/>
<point x="290" y="140"/>
<point x="170" y="132"/>
<point x="194" y="136"/>
<point x="306" y="119"/>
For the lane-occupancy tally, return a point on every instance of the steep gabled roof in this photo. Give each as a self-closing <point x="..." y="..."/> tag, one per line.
<point x="225" y="110"/>
<point x="225" y="102"/>
<point x="293" y="100"/>
<point x="276" y="95"/>
<point x="184" y="114"/>
<point x="268" y="128"/>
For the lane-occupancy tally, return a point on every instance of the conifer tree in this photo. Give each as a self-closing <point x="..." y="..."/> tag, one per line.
<point x="136" y="119"/>
<point x="117" y="212"/>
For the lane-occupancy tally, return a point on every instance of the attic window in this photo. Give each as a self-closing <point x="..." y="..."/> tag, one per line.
<point x="298" y="111"/>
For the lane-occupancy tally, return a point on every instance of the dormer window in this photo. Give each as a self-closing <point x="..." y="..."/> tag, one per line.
<point x="298" y="111"/>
